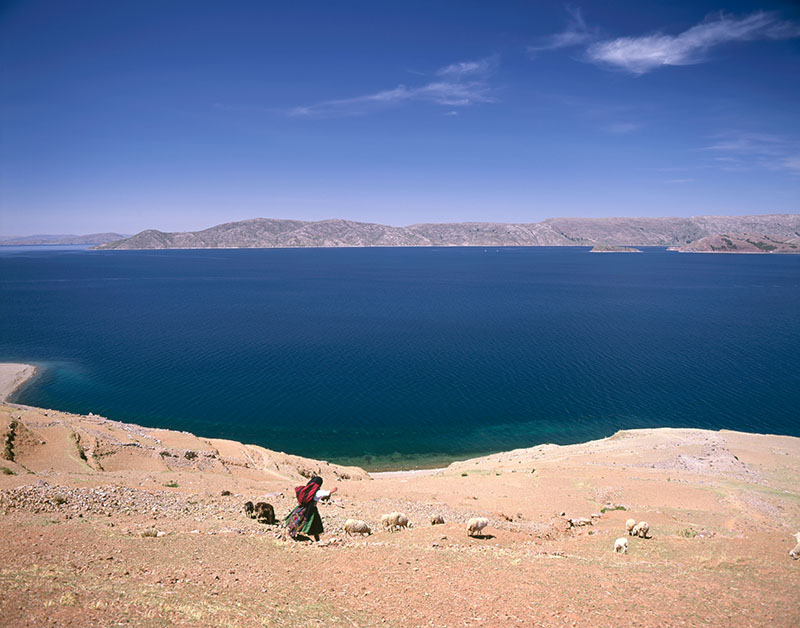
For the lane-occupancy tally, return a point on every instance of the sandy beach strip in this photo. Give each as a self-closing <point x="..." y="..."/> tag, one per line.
<point x="405" y="473"/>
<point x="12" y="376"/>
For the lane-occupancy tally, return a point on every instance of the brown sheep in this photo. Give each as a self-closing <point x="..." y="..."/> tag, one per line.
<point x="264" y="513"/>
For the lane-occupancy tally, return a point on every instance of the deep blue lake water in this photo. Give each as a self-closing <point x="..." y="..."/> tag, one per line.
<point x="399" y="357"/>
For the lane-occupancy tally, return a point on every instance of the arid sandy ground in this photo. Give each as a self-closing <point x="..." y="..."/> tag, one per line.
<point x="80" y="497"/>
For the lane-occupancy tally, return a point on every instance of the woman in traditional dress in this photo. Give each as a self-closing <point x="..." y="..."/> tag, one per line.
<point x="305" y="519"/>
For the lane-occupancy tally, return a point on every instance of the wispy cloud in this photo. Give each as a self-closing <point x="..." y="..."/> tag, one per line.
<point x="739" y="150"/>
<point x="457" y="85"/>
<point x="622" y="128"/>
<point x="748" y="143"/>
<point x="679" y="181"/>
<point x="468" y="68"/>
<point x="639" y="55"/>
<point x="792" y="163"/>
<point x="575" y="34"/>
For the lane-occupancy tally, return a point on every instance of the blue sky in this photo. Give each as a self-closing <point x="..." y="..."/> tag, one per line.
<point x="180" y="115"/>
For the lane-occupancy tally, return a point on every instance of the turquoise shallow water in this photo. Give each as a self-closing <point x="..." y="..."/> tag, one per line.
<point x="403" y="357"/>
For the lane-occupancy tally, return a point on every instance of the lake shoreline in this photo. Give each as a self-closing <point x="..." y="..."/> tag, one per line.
<point x="13" y="376"/>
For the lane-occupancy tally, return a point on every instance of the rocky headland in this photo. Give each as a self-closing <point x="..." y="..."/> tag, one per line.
<point x="741" y="243"/>
<point x="107" y="523"/>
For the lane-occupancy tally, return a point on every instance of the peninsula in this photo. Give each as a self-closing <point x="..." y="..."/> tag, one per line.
<point x="105" y="523"/>
<point x="275" y="233"/>
<point x="741" y="243"/>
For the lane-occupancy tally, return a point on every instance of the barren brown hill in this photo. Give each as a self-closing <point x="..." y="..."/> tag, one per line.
<point x="275" y="233"/>
<point x="104" y="523"/>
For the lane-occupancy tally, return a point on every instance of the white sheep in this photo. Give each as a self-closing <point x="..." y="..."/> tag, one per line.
<point x="795" y="553"/>
<point x="641" y="529"/>
<point x="629" y="525"/>
<point x="394" y="521"/>
<point x="581" y="521"/>
<point x="437" y="520"/>
<point x="476" y="525"/>
<point x="356" y="526"/>
<point x="621" y="545"/>
<point x="401" y="521"/>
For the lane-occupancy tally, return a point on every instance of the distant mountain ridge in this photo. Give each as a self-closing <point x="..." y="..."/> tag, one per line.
<point x="92" y="238"/>
<point x="277" y="233"/>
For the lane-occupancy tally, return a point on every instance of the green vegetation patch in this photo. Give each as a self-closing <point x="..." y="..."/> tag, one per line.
<point x="763" y="245"/>
<point x="77" y="440"/>
<point x="7" y="471"/>
<point x="8" y="451"/>
<point x="609" y="508"/>
<point x="172" y="484"/>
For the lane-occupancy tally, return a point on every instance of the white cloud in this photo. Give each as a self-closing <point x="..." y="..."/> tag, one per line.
<point x="575" y="34"/>
<point x="459" y="85"/>
<point x="639" y="55"/>
<point x="465" y="68"/>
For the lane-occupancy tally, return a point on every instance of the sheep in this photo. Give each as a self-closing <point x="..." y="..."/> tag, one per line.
<point x="401" y="521"/>
<point x="264" y="512"/>
<point x="356" y="526"/>
<point x="621" y="545"/>
<point x="248" y="509"/>
<point x="394" y="521"/>
<point x="629" y="525"/>
<point x="476" y="525"/>
<point x="795" y="553"/>
<point x="437" y="520"/>
<point x="641" y="529"/>
<point x="580" y="521"/>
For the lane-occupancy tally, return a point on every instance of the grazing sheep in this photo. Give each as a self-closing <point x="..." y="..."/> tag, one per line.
<point x="621" y="545"/>
<point x="629" y="525"/>
<point x="641" y="529"/>
<point x="795" y="553"/>
<point x="437" y="520"/>
<point x="401" y="521"/>
<point x="248" y="509"/>
<point x="581" y="521"/>
<point x="476" y="525"/>
<point x="356" y="526"/>
<point x="394" y="521"/>
<point x="264" y="512"/>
